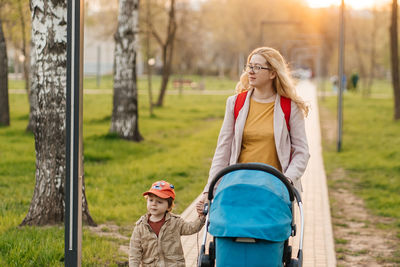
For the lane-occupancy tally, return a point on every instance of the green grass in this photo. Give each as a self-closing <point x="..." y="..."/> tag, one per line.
<point x="341" y="241"/>
<point x="380" y="87"/>
<point x="178" y="145"/>
<point x="106" y="83"/>
<point x="370" y="155"/>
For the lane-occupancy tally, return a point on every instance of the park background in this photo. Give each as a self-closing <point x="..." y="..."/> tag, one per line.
<point x="179" y="136"/>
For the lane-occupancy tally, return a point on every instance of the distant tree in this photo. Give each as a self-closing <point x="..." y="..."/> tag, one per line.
<point x="49" y="19"/>
<point x="358" y="49"/>
<point x="103" y="19"/>
<point x="16" y="21"/>
<point x="167" y="49"/>
<point x="32" y="87"/>
<point x="189" y="41"/>
<point x="372" y="67"/>
<point x="395" y="60"/>
<point x="236" y="27"/>
<point x="25" y="44"/>
<point x="125" y="118"/>
<point x="4" y="105"/>
<point x="148" y="56"/>
<point x="24" y="40"/>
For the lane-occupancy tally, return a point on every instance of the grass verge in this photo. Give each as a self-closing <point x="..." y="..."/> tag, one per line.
<point x="369" y="163"/>
<point x="179" y="142"/>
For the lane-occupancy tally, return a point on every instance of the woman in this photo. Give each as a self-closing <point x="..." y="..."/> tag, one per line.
<point x="259" y="133"/>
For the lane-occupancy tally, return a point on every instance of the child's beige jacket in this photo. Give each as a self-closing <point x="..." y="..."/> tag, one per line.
<point x="165" y="250"/>
<point x="230" y="140"/>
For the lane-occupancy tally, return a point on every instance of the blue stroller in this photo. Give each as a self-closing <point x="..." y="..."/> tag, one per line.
<point x="251" y="218"/>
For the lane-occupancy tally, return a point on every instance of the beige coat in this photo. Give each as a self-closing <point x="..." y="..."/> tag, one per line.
<point x="165" y="250"/>
<point x="230" y="141"/>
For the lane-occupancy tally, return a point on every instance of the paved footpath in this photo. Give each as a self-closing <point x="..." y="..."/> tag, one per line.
<point x="318" y="246"/>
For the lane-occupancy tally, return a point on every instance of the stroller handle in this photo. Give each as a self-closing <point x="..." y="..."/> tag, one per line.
<point x="254" y="166"/>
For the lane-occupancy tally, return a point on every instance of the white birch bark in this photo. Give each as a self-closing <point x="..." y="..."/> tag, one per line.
<point x="124" y="121"/>
<point x="49" y="36"/>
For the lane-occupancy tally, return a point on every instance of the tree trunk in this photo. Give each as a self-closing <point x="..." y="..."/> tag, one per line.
<point x="167" y="52"/>
<point x="4" y="105"/>
<point x="395" y="61"/>
<point x="125" y="118"/>
<point x="31" y="93"/>
<point x="148" y="56"/>
<point x="359" y="53"/>
<point x="367" y="91"/>
<point x="26" y="69"/>
<point x="166" y="72"/>
<point x="23" y="49"/>
<point x="50" y="43"/>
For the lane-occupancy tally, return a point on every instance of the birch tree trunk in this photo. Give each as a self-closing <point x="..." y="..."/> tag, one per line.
<point x="4" y="105"/>
<point x="124" y="120"/>
<point x="49" y="27"/>
<point x="395" y="61"/>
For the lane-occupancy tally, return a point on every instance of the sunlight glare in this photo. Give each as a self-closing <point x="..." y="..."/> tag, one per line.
<point x="357" y="4"/>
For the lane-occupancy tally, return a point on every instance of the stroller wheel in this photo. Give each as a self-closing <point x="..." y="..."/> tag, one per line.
<point x="211" y="250"/>
<point x="287" y="255"/>
<point x="294" y="263"/>
<point x="205" y="261"/>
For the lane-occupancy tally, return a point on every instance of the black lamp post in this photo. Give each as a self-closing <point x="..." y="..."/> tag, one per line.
<point x="74" y="171"/>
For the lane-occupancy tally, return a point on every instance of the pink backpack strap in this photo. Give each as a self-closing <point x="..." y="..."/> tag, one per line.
<point x="286" y="108"/>
<point x="239" y="102"/>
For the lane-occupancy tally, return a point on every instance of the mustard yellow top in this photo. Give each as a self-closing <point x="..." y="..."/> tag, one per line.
<point x="258" y="143"/>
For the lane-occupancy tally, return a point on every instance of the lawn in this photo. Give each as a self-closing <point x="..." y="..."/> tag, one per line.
<point x="370" y="156"/>
<point x="178" y="145"/>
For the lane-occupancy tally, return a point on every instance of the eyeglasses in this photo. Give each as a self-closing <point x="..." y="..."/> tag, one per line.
<point x="255" y="68"/>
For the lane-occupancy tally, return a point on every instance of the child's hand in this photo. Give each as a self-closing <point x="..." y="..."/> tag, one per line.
<point x="200" y="207"/>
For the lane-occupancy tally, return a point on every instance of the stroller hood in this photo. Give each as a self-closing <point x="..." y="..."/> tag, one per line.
<point x="253" y="204"/>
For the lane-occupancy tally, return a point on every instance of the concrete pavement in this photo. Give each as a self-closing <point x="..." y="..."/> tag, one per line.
<point x="318" y="245"/>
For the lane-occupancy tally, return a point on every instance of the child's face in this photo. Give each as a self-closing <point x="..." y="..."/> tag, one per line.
<point x="156" y="206"/>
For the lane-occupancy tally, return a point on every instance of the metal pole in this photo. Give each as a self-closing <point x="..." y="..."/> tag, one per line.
<point x="98" y="67"/>
<point x="74" y="170"/>
<point x="341" y="77"/>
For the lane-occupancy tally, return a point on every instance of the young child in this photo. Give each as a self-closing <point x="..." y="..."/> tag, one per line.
<point x="156" y="239"/>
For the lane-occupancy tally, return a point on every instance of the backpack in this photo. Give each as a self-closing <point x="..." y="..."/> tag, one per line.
<point x="285" y="105"/>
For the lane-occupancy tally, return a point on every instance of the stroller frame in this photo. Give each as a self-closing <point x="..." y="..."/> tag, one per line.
<point x="206" y="260"/>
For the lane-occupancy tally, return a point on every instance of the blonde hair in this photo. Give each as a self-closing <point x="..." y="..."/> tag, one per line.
<point x="283" y="82"/>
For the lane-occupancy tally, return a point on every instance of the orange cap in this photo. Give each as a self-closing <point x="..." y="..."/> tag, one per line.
<point x="161" y="189"/>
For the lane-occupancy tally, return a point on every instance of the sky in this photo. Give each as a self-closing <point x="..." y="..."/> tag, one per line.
<point x="357" y="4"/>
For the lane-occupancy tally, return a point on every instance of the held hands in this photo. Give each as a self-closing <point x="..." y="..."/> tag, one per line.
<point x="200" y="205"/>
